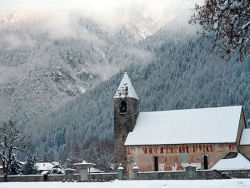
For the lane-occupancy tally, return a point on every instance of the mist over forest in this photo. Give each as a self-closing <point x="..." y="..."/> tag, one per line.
<point x="60" y="70"/>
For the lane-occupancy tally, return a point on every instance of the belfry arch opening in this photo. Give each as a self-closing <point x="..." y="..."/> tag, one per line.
<point x="123" y="107"/>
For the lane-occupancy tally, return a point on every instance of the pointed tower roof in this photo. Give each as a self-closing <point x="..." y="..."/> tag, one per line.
<point x="125" y="88"/>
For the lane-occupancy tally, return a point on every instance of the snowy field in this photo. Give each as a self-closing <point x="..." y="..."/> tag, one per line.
<point x="235" y="183"/>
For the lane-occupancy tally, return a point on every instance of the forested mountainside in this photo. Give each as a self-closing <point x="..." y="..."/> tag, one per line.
<point x="183" y="73"/>
<point x="40" y="72"/>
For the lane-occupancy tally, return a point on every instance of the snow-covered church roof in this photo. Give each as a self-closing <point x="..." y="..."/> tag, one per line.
<point x="245" y="138"/>
<point x="237" y="163"/>
<point x="205" y="125"/>
<point x="125" y="88"/>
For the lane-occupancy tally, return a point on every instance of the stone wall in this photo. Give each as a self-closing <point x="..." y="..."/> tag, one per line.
<point x="238" y="173"/>
<point x="123" y="124"/>
<point x="190" y="173"/>
<point x="242" y="125"/>
<point x="245" y="150"/>
<point x="175" y="157"/>
<point x="36" y="178"/>
<point x="58" y="177"/>
<point x="23" y="178"/>
<point x="103" y="176"/>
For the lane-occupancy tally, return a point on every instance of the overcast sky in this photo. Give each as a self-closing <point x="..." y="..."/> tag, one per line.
<point x="12" y="4"/>
<point x="100" y="7"/>
<point x="56" y="14"/>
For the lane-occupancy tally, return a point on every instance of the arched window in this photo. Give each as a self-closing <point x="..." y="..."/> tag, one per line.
<point x="205" y="162"/>
<point x="123" y="107"/>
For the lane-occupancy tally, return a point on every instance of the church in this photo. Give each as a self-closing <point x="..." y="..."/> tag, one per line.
<point x="171" y="140"/>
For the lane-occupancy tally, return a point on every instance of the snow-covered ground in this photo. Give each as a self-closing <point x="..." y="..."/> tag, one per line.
<point x="232" y="183"/>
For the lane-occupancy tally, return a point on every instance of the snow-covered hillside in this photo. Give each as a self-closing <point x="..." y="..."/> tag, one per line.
<point x="41" y="70"/>
<point x="183" y="73"/>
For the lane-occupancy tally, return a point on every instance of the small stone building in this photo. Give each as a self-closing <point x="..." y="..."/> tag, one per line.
<point x="171" y="140"/>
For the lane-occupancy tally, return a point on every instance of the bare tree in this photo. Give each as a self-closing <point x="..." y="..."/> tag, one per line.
<point x="11" y="139"/>
<point x="229" y="21"/>
<point x="100" y="152"/>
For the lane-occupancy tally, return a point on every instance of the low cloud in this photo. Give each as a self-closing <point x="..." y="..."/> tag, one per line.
<point x="12" y="40"/>
<point x="22" y="19"/>
<point x="141" y="56"/>
<point x="56" y="15"/>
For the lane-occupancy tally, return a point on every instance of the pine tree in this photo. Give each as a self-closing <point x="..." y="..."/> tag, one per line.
<point x="69" y="163"/>
<point x="29" y="167"/>
<point x="15" y="166"/>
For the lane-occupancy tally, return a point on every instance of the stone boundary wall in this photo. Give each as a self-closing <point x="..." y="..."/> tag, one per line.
<point x="190" y="173"/>
<point x="58" y="177"/>
<point x="238" y="173"/>
<point x="23" y="178"/>
<point x="36" y="178"/>
<point x="103" y="176"/>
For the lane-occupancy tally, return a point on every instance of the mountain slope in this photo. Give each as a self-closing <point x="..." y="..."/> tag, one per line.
<point x="40" y="72"/>
<point x="184" y="73"/>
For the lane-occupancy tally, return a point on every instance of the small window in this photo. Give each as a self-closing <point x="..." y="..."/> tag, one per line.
<point x="205" y="162"/>
<point x="123" y="107"/>
<point x="156" y="163"/>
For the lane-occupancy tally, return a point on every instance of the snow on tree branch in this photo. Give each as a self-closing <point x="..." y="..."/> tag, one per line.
<point x="229" y="21"/>
<point x="11" y="138"/>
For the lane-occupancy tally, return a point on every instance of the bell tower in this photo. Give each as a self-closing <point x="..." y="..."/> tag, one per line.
<point x="126" y="111"/>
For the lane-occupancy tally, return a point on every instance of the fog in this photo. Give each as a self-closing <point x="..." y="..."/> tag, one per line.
<point x="20" y="20"/>
<point x="56" y="15"/>
<point x="44" y="50"/>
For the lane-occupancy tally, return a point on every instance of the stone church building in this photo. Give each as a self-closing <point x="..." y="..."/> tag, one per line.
<point x="171" y="140"/>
